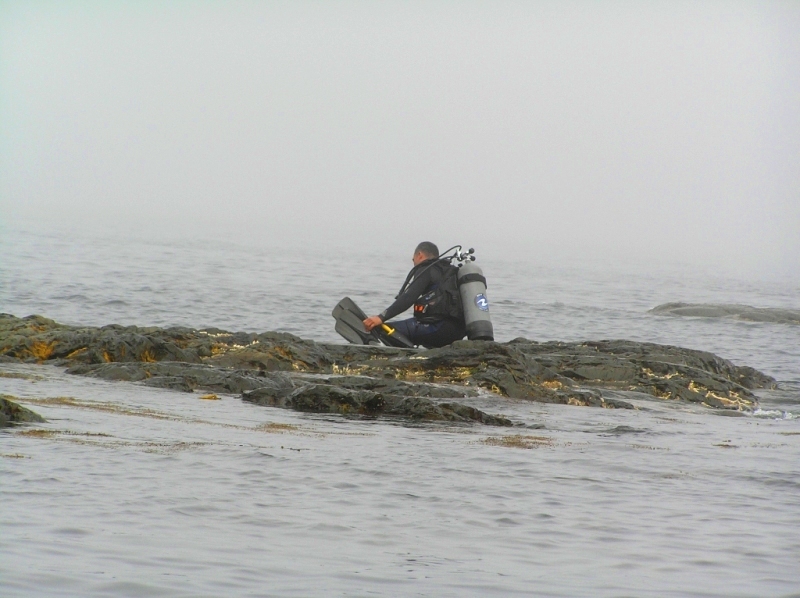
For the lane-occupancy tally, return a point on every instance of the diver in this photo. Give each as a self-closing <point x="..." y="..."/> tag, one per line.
<point x="432" y="288"/>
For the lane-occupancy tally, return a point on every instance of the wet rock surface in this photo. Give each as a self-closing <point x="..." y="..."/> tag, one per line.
<point x="12" y="413"/>
<point x="283" y="370"/>
<point x="390" y="399"/>
<point x="747" y="313"/>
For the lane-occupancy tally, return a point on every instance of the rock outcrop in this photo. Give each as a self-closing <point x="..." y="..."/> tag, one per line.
<point x="12" y="413"/>
<point x="747" y="313"/>
<point x="283" y="370"/>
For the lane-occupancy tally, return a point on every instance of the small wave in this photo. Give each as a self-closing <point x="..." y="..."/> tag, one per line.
<point x="748" y="313"/>
<point x="115" y="302"/>
<point x="774" y="414"/>
<point x="71" y="297"/>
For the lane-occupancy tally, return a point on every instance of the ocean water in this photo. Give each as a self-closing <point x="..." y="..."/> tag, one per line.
<point x="136" y="491"/>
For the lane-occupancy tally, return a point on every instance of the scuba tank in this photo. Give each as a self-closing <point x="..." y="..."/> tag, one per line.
<point x="472" y="286"/>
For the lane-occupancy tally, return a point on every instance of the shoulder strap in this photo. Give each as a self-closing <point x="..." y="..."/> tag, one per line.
<point x="416" y="271"/>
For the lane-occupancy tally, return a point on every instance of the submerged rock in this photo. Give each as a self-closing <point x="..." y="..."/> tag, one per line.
<point x="333" y="398"/>
<point x="13" y="413"/>
<point x="739" y="312"/>
<point x="283" y="370"/>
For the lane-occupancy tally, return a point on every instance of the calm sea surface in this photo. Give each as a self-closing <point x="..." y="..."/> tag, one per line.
<point x="135" y="491"/>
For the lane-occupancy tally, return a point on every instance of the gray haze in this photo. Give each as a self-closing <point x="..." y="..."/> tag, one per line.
<point x="605" y="131"/>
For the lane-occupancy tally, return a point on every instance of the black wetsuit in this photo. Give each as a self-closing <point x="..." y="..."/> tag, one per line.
<point x="427" y="330"/>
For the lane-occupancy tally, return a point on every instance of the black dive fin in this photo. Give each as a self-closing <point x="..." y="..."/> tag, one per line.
<point x="391" y="337"/>
<point x="349" y="323"/>
<point x="348" y="304"/>
<point x="349" y="333"/>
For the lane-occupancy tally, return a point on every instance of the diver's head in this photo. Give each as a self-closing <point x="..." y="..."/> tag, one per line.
<point x="424" y="251"/>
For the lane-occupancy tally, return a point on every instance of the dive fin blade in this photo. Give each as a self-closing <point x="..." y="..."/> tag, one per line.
<point x="350" y="325"/>
<point x="348" y="304"/>
<point x="350" y="335"/>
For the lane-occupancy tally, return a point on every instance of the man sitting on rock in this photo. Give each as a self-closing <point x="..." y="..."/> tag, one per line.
<point x="432" y="288"/>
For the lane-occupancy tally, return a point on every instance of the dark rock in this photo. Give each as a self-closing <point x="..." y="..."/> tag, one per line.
<point x="739" y="312"/>
<point x="499" y="368"/>
<point x="663" y="371"/>
<point x="283" y="370"/>
<point x="352" y="395"/>
<point x="620" y="430"/>
<point x="181" y="383"/>
<point x="12" y="413"/>
<point x="174" y="375"/>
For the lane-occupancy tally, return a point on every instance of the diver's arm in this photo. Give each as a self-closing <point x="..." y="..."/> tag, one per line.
<point x="407" y="299"/>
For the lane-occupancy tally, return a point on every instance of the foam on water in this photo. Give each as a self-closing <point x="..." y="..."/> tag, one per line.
<point x="136" y="491"/>
<point x="774" y="414"/>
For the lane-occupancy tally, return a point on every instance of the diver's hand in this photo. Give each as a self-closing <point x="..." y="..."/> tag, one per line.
<point x="372" y="322"/>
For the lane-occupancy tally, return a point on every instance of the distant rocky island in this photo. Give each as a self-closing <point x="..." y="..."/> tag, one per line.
<point x="283" y="370"/>
<point x="747" y="313"/>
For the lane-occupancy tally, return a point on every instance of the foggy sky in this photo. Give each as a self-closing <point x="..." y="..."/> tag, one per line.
<point x="663" y="132"/>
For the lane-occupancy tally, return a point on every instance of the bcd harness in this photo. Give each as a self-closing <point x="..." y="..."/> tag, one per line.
<point x="442" y="299"/>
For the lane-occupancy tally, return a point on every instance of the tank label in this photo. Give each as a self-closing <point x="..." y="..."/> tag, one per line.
<point x="482" y="302"/>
